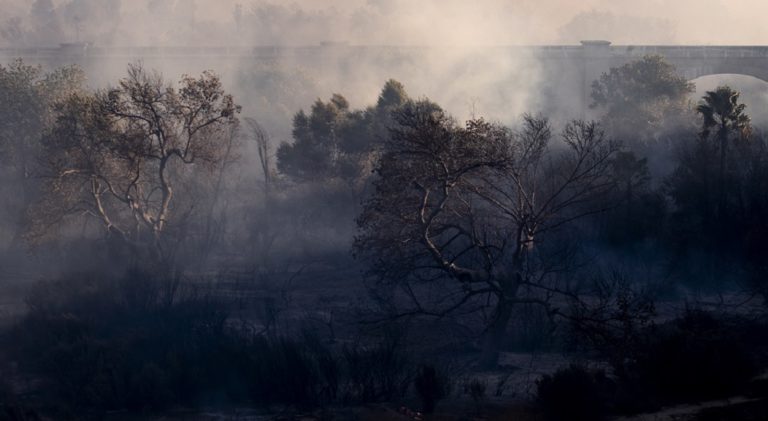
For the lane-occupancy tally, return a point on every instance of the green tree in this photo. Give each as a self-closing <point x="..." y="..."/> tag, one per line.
<point x="392" y="96"/>
<point x="641" y="97"/>
<point x="334" y="142"/>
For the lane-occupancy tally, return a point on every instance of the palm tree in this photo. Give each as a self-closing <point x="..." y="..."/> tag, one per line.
<point x="724" y="114"/>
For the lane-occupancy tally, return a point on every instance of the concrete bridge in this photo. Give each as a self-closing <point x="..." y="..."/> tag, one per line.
<point x="692" y="61"/>
<point x="568" y="70"/>
<point x="592" y="58"/>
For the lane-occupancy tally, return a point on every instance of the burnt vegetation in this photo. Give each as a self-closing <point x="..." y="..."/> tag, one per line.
<point x="184" y="260"/>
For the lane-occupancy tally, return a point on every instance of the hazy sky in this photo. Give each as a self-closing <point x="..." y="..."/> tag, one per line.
<point x="450" y="22"/>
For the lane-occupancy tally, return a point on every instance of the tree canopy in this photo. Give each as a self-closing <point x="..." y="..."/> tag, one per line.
<point x="120" y="155"/>
<point x="640" y="96"/>
<point x="26" y="112"/>
<point x="464" y="206"/>
<point x="333" y="141"/>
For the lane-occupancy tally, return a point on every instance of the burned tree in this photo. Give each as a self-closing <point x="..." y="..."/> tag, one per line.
<point x="457" y="211"/>
<point x="121" y="154"/>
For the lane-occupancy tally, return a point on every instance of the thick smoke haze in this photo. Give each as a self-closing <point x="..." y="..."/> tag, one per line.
<point x="497" y="86"/>
<point x="377" y="22"/>
<point x="384" y="209"/>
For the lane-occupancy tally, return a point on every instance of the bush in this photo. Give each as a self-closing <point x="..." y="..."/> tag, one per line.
<point x="97" y="345"/>
<point x="124" y="345"/>
<point x="574" y="393"/>
<point x="696" y="357"/>
<point x="476" y="389"/>
<point x="375" y="372"/>
<point x="430" y="386"/>
<point x="308" y="374"/>
<point x="692" y="358"/>
<point x="11" y="409"/>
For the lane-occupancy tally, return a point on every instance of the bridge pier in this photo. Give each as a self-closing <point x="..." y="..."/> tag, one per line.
<point x="596" y="56"/>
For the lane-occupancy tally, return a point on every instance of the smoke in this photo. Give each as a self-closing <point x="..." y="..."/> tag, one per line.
<point x="620" y="29"/>
<point x="388" y="22"/>
<point x="456" y="70"/>
<point x="453" y="72"/>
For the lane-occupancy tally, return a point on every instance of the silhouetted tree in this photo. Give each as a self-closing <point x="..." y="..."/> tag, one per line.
<point x="723" y="113"/>
<point x="638" y="210"/>
<point x="457" y="211"/>
<point x="753" y="226"/>
<point x="333" y="142"/>
<point x="715" y="189"/>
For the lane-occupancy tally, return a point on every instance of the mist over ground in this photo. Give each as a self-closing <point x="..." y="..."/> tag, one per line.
<point x="383" y="210"/>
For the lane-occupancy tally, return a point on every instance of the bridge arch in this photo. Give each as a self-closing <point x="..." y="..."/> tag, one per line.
<point x="714" y="69"/>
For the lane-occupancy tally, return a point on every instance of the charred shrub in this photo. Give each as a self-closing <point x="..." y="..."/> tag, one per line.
<point x="375" y="372"/>
<point x="430" y="386"/>
<point x="476" y="389"/>
<point x="615" y="324"/>
<point x="695" y="357"/>
<point x="282" y="371"/>
<point x="102" y="345"/>
<point x="114" y="345"/>
<point x="11" y="407"/>
<point x="308" y="373"/>
<point x="574" y="393"/>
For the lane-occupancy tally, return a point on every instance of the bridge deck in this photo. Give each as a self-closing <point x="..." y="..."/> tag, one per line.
<point x="543" y="51"/>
